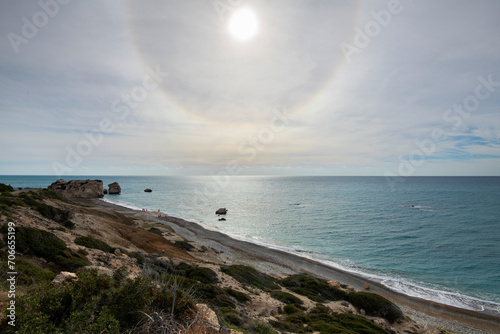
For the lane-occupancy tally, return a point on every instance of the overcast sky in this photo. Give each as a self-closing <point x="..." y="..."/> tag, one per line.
<point x="395" y="88"/>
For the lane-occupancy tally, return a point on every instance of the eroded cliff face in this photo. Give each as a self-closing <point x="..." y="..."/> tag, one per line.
<point x="79" y="188"/>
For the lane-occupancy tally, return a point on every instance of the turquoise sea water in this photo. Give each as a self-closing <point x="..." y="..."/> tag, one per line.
<point x="436" y="238"/>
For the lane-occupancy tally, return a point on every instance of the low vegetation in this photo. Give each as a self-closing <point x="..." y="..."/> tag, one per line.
<point x="5" y="188"/>
<point x="184" y="245"/>
<point x="313" y="288"/>
<point x="321" y="319"/>
<point x="251" y="276"/>
<point x="90" y="242"/>
<point x="103" y="304"/>
<point x="286" y="297"/>
<point x="43" y="244"/>
<point x="29" y="273"/>
<point x="49" y="212"/>
<point x="156" y="231"/>
<point x="375" y="305"/>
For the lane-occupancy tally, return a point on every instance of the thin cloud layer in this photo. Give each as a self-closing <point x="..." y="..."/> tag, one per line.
<point x="343" y="88"/>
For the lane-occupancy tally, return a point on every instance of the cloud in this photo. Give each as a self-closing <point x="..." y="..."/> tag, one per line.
<point x="359" y="116"/>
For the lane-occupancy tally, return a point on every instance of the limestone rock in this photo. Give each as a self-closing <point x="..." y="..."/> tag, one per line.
<point x="105" y="191"/>
<point x="63" y="276"/>
<point x="78" y="188"/>
<point x="335" y="284"/>
<point x="114" y="188"/>
<point x="208" y="315"/>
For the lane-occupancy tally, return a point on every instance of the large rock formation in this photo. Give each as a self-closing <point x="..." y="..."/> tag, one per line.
<point x="114" y="188"/>
<point x="78" y="188"/>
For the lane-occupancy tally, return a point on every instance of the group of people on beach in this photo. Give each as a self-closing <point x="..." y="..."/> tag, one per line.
<point x="159" y="213"/>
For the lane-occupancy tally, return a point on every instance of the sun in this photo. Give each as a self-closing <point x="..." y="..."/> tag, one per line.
<point x="243" y="24"/>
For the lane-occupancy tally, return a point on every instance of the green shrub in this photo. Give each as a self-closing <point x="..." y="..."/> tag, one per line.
<point x="286" y="297"/>
<point x="138" y="256"/>
<point x="90" y="242"/>
<point x="323" y="321"/>
<point x="28" y="273"/>
<point x="156" y="231"/>
<point x="8" y="201"/>
<point x="5" y="188"/>
<point x="239" y="296"/>
<point x="200" y="274"/>
<point x="231" y="317"/>
<point x="51" y="194"/>
<point x="184" y="245"/>
<point x="40" y="243"/>
<point x="320" y="319"/>
<point x="375" y="305"/>
<point x="290" y="309"/>
<point x="251" y="276"/>
<point x="260" y="327"/>
<point x="313" y="288"/>
<point x="46" y="245"/>
<point x="206" y="292"/>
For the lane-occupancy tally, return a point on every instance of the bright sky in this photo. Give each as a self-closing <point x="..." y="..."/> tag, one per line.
<point x="395" y="88"/>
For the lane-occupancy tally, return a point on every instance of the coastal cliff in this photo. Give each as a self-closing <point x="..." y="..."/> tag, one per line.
<point x="136" y="273"/>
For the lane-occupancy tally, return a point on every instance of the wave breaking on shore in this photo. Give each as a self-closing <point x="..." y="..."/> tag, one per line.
<point x="398" y="285"/>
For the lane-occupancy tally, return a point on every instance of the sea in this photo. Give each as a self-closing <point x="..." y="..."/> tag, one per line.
<point x="436" y="238"/>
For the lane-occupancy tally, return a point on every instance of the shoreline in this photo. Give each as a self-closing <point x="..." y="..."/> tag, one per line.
<point x="278" y="262"/>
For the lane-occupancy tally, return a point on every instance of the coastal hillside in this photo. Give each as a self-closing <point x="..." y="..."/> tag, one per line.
<point x="83" y="267"/>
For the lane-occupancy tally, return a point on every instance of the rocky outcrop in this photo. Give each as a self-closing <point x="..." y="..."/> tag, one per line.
<point x="78" y="188"/>
<point x="221" y="211"/>
<point x="147" y="190"/>
<point x="64" y="276"/>
<point x="114" y="188"/>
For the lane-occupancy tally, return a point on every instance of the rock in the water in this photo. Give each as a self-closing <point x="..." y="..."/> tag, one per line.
<point x="114" y="188"/>
<point x="78" y="188"/>
<point x="147" y="190"/>
<point x="105" y="191"/>
<point x="222" y="219"/>
<point x="221" y="211"/>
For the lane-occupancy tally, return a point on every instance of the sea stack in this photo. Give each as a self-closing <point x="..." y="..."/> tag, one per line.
<point x="221" y="211"/>
<point x="114" y="188"/>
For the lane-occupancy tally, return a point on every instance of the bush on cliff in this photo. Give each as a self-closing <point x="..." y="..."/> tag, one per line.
<point x="375" y="305"/>
<point x="321" y="320"/>
<point x="313" y="288"/>
<point x="5" y="188"/>
<point x="32" y="241"/>
<point x="28" y="273"/>
<point x="286" y="297"/>
<point x="60" y="216"/>
<point x="90" y="242"/>
<point x="251" y="276"/>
